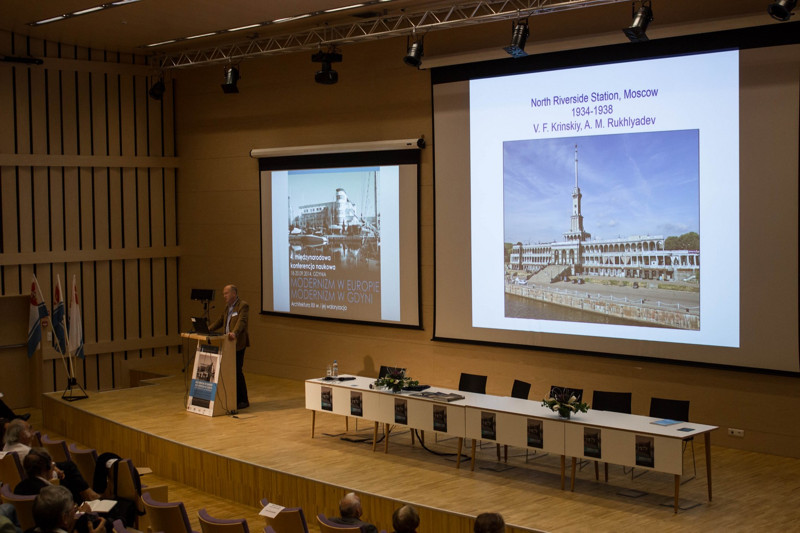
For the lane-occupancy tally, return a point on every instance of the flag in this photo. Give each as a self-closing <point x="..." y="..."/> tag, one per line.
<point x="75" y="325"/>
<point x="59" y="319"/>
<point x="38" y="311"/>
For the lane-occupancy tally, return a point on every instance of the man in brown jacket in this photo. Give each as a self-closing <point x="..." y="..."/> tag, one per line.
<point x="234" y="320"/>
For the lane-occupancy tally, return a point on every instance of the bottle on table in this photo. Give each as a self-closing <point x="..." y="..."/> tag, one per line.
<point x="335" y="369"/>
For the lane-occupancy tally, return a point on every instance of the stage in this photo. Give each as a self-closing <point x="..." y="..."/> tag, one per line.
<point x="267" y="452"/>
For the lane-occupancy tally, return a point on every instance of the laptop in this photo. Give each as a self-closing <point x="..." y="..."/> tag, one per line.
<point x="200" y="325"/>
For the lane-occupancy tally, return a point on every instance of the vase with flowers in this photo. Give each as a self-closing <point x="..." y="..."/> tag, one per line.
<point x="564" y="403"/>
<point x="395" y="380"/>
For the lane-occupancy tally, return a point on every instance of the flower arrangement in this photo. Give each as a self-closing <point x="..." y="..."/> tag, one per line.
<point x="563" y="405"/>
<point x="396" y="380"/>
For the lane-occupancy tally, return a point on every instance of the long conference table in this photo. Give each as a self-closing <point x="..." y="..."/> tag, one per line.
<point x="616" y="438"/>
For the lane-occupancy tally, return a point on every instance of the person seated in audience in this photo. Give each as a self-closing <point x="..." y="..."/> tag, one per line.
<point x="8" y="519"/>
<point x="39" y="469"/>
<point x="18" y="438"/>
<point x="7" y="412"/>
<point x="489" y="523"/>
<point x="350" y="511"/>
<point x="405" y="520"/>
<point x="54" y="511"/>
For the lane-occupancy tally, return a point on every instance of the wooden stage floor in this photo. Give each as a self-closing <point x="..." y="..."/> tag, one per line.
<point x="268" y="452"/>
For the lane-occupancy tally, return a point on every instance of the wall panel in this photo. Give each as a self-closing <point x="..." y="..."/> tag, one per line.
<point x="93" y="104"/>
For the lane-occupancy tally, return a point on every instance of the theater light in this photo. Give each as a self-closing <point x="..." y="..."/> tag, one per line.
<point x="519" y="36"/>
<point x="636" y="32"/>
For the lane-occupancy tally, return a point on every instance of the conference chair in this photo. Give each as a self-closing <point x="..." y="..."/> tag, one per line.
<point x="674" y="410"/>
<point x="129" y="487"/>
<point x="166" y="516"/>
<point x="472" y="383"/>
<point x="617" y="402"/>
<point x="520" y="389"/>
<point x="209" y="524"/>
<point x="57" y="448"/>
<point x="385" y="370"/>
<point x="119" y="527"/>
<point x="268" y="529"/>
<point x="85" y="459"/>
<point x="566" y="391"/>
<point x="289" y="520"/>
<point x="326" y="526"/>
<point x="11" y="471"/>
<point x="23" y="506"/>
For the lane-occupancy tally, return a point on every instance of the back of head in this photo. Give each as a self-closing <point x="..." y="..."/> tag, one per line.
<point x="37" y="463"/>
<point x="14" y="431"/>
<point x="405" y="519"/>
<point x="350" y="506"/>
<point x="489" y="523"/>
<point x="52" y="506"/>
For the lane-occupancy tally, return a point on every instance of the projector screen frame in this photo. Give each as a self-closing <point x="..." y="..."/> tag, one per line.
<point x="750" y="38"/>
<point x="349" y="155"/>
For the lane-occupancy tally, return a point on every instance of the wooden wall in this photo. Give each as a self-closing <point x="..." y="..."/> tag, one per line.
<point x="88" y="189"/>
<point x="379" y="98"/>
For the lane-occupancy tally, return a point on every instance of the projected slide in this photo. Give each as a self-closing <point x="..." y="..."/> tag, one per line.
<point x="593" y="184"/>
<point x="334" y="257"/>
<point x="339" y="241"/>
<point x="645" y="271"/>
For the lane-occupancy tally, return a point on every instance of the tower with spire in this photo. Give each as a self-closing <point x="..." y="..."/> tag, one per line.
<point x="576" y="231"/>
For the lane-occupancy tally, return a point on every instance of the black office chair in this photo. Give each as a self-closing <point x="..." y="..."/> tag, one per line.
<point x="520" y="389"/>
<point x="674" y="410"/>
<point x="566" y="392"/>
<point x="617" y="402"/>
<point x="472" y="383"/>
<point x="386" y="370"/>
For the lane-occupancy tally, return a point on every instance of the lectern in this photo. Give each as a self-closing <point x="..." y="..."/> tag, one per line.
<point x="213" y="389"/>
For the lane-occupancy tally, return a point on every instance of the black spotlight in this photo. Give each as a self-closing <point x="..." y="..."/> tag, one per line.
<point x="414" y="55"/>
<point x="782" y="9"/>
<point x="326" y="75"/>
<point x="231" y="79"/>
<point x="156" y="92"/>
<point x="636" y="32"/>
<point x="519" y="36"/>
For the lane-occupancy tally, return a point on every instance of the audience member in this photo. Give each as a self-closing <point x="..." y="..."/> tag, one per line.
<point x="39" y="469"/>
<point x="7" y="412"/>
<point x="54" y="511"/>
<point x="350" y="511"/>
<point x="8" y="519"/>
<point x="489" y="523"/>
<point x="7" y="526"/>
<point x="18" y="438"/>
<point x="405" y="520"/>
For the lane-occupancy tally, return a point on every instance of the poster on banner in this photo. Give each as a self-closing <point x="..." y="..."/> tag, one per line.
<point x="205" y="377"/>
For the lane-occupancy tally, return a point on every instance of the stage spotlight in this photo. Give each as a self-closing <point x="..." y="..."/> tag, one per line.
<point x="519" y="36"/>
<point x="231" y="79"/>
<point x="782" y="9"/>
<point x="326" y="75"/>
<point x="156" y="92"/>
<point x="636" y="32"/>
<point x="414" y="55"/>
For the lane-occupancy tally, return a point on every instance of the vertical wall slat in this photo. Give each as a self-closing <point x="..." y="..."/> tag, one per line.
<point x="113" y="114"/>
<point x="102" y="268"/>
<point x="8" y="216"/>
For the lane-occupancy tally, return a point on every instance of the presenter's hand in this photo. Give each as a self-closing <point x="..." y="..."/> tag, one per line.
<point x="232" y="336"/>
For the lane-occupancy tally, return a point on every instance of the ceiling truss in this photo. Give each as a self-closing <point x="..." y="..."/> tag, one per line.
<point x="391" y="25"/>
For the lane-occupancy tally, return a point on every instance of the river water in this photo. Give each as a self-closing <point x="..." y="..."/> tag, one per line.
<point x="519" y="307"/>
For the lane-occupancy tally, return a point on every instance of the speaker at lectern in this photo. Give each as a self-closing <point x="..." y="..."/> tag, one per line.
<point x="213" y="386"/>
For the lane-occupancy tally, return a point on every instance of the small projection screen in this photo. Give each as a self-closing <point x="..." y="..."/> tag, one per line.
<point x="628" y="200"/>
<point x="339" y="236"/>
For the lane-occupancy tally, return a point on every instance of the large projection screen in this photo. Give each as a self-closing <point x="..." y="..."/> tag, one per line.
<point x="642" y="207"/>
<point x="339" y="236"/>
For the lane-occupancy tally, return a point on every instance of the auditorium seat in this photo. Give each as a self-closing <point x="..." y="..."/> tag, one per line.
<point x="289" y="520"/>
<point x="23" y="506"/>
<point x="674" y="410"/>
<point x="11" y="471"/>
<point x="617" y="402"/>
<point x="166" y="516"/>
<point x="268" y="529"/>
<point x="57" y="448"/>
<point x="85" y="459"/>
<point x="209" y="524"/>
<point x="326" y="526"/>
